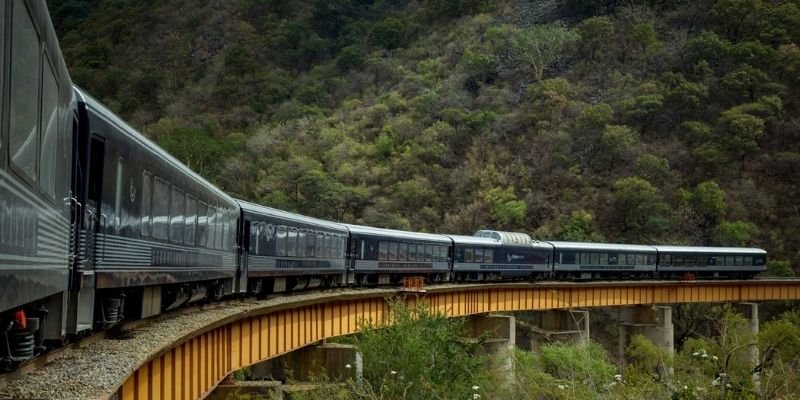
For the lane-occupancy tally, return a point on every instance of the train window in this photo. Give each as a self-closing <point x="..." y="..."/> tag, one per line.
<point x="49" y="124"/>
<point x="412" y="252"/>
<point x="291" y="243"/>
<point x="595" y="259"/>
<point x="301" y="243"/>
<point x="160" y="208"/>
<point x="191" y="219"/>
<point x="311" y="244"/>
<point x="177" y="208"/>
<point x="393" y="251"/>
<point x="469" y="255"/>
<point x="341" y="242"/>
<point x="739" y="260"/>
<point x="147" y="183"/>
<point x="226" y="239"/>
<point x="665" y="259"/>
<point x="24" y="99"/>
<point x="211" y="226"/>
<point x="220" y="229"/>
<point x="402" y="252"/>
<point x="2" y="80"/>
<point x="253" y="248"/>
<point x="677" y="260"/>
<point x="428" y="252"/>
<point x="602" y="259"/>
<point x="651" y="259"/>
<point x="586" y="258"/>
<point x="329" y="246"/>
<point x="117" y="195"/>
<point x="479" y="256"/>
<point x="383" y="251"/>
<point x="641" y="259"/>
<point x="280" y="241"/>
<point x="748" y="260"/>
<point x="202" y="223"/>
<point x="568" y="257"/>
<point x="488" y="255"/>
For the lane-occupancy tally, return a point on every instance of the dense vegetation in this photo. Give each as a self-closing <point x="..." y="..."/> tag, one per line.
<point x="430" y="359"/>
<point x="656" y="121"/>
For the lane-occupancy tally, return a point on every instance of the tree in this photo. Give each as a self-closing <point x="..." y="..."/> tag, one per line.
<point x="504" y="206"/>
<point x="642" y="109"/>
<point x="538" y="46"/>
<point x="652" y="168"/>
<point x="579" y="227"/>
<point x="738" y="133"/>
<point x="639" y="213"/>
<point x="709" y="201"/>
<point x="736" y="233"/>
<point x="596" y="35"/>
<point x="389" y="33"/>
<point x="617" y="139"/>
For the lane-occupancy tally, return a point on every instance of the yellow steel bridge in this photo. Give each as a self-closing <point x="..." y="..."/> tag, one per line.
<point x="193" y="367"/>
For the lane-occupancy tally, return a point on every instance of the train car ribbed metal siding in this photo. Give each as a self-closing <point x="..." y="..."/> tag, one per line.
<point x="194" y="368"/>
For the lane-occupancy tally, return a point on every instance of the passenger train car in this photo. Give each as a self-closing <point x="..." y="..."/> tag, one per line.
<point x="36" y="203"/>
<point x="98" y="224"/>
<point x="283" y="250"/>
<point x="492" y="255"/>
<point x="385" y="256"/>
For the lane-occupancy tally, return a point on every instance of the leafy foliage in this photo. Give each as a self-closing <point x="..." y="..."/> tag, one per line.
<point x="663" y="122"/>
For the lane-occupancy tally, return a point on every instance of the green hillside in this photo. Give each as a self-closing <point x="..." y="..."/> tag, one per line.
<point x="662" y="121"/>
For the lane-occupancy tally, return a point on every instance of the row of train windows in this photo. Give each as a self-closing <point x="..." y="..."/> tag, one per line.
<point x="591" y="258"/>
<point x="294" y="242"/>
<point x="702" y="260"/>
<point x="170" y="214"/>
<point x="394" y="251"/>
<point x="33" y="125"/>
<point x="478" y="255"/>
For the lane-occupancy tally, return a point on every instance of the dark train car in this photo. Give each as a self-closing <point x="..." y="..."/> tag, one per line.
<point x="490" y="255"/>
<point x="385" y="256"/>
<point x="711" y="262"/>
<point x="283" y="250"/>
<point x="35" y="143"/>
<point x="153" y="234"/>
<point x="603" y="260"/>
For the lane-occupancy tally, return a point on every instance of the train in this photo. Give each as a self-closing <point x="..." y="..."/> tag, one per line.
<point x="98" y="224"/>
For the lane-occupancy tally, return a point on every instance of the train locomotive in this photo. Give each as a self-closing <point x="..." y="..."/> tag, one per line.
<point x="98" y="224"/>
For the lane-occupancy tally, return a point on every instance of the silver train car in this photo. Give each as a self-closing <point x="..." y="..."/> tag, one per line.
<point x="493" y="255"/>
<point x="602" y="260"/>
<point x="710" y="262"/>
<point x="36" y="202"/>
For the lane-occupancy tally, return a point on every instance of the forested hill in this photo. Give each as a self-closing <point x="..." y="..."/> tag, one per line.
<point x="656" y="122"/>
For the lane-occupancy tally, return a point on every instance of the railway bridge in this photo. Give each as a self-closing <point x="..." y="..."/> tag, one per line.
<point x="189" y="364"/>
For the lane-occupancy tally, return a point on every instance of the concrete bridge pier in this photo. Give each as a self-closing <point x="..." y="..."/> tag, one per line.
<point x="653" y="322"/>
<point x="570" y="326"/>
<point x="750" y="312"/>
<point x="501" y="340"/>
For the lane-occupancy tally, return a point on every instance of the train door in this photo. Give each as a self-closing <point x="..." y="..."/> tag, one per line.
<point x="93" y="219"/>
<point x="243" y="254"/>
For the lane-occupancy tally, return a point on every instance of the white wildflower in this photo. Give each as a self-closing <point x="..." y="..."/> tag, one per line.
<point x="475" y="387"/>
<point x="618" y="377"/>
<point x="475" y="396"/>
<point x="348" y="366"/>
<point x="715" y="358"/>
<point x="393" y="372"/>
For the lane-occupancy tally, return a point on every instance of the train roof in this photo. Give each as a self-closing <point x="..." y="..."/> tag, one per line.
<point x="276" y="213"/>
<point x="370" y="231"/>
<point x="505" y="237"/>
<point x="710" y="250"/>
<point x="135" y="135"/>
<point x="601" y="246"/>
<point x="474" y="240"/>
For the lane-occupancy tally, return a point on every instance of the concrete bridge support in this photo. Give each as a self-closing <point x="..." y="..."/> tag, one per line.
<point x="750" y="312"/>
<point x="501" y="340"/>
<point x="653" y="322"/>
<point x="570" y="326"/>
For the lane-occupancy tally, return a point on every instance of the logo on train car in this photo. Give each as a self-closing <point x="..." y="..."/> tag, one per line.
<point x="508" y="266"/>
<point x="282" y="263"/>
<point x="514" y="257"/>
<point x="178" y="258"/>
<point x="607" y="267"/>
